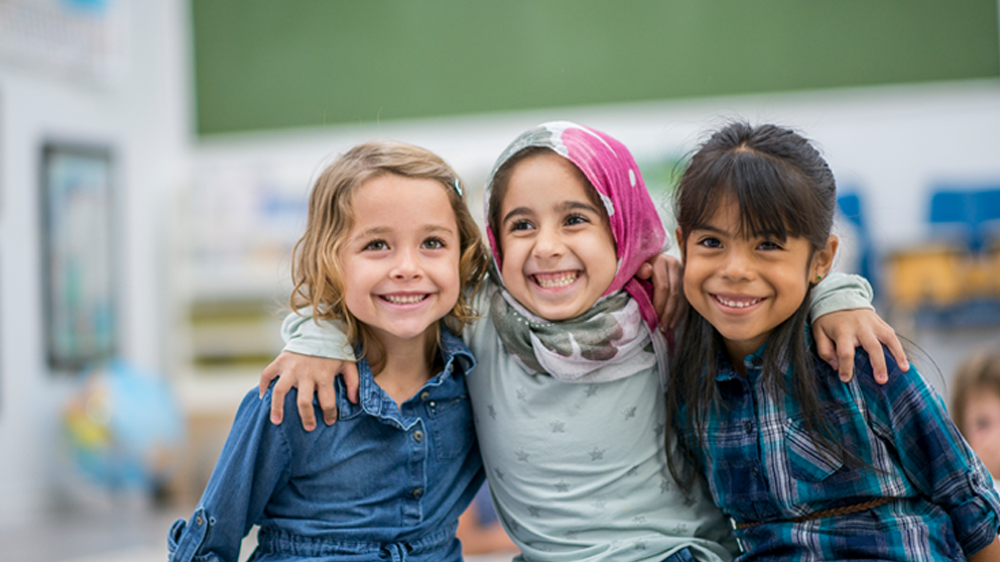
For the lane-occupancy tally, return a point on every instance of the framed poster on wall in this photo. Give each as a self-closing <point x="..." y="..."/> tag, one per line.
<point x="78" y="257"/>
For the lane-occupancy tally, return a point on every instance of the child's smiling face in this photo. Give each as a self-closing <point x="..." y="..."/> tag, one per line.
<point x="746" y="287"/>
<point x="401" y="258"/>
<point x="557" y="250"/>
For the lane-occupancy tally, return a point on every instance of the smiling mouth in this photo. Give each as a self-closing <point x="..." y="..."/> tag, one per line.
<point x="404" y="299"/>
<point x="555" y="280"/>
<point x="736" y="303"/>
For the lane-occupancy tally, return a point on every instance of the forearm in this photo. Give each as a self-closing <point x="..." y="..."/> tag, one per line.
<point x="989" y="554"/>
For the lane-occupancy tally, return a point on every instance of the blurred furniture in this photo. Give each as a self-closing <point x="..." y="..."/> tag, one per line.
<point x="954" y="280"/>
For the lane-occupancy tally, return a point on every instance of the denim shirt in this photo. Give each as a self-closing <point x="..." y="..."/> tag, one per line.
<point x="764" y="469"/>
<point x="383" y="483"/>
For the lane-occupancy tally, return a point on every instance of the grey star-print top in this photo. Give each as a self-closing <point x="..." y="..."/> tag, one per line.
<point x="578" y="471"/>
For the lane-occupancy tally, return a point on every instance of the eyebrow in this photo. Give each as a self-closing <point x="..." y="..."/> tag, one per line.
<point x="562" y="208"/>
<point x="383" y="230"/>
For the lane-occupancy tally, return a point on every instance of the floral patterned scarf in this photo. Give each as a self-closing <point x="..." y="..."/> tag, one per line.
<point x="617" y="337"/>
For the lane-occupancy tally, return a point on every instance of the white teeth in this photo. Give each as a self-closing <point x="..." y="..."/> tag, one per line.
<point x="560" y="280"/>
<point x="409" y="299"/>
<point x="738" y="304"/>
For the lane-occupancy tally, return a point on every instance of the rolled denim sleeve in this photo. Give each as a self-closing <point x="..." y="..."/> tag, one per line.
<point x="254" y="462"/>
<point x="320" y="338"/>
<point x="840" y="291"/>
<point x="936" y="459"/>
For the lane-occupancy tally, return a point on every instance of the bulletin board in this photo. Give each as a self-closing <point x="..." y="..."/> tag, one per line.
<point x="78" y="254"/>
<point x="261" y="64"/>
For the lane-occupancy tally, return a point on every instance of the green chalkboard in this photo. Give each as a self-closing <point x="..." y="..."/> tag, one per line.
<point x="266" y="64"/>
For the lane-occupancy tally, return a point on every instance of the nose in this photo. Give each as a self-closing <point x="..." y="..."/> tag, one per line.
<point x="407" y="265"/>
<point x="548" y="243"/>
<point x="737" y="266"/>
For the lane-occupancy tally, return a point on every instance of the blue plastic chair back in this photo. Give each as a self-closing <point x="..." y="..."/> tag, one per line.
<point x="971" y="208"/>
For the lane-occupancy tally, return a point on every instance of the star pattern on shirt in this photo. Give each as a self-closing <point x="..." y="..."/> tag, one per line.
<point x="562" y="486"/>
<point x="639" y="519"/>
<point x="558" y="426"/>
<point x="640" y="545"/>
<point x="689" y="500"/>
<point x="571" y="535"/>
<point x="633" y="471"/>
<point x="597" y="454"/>
<point x="599" y="505"/>
<point x="680" y="529"/>
<point x="659" y="429"/>
<point x="522" y="394"/>
<point x="629" y="412"/>
<point x="491" y="410"/>
<point x="499" y="473"/>
<point x="522" y="455"/>
<point x="664" y="486"/>
<point x="534" y="511"/>
<point x="591" y="390"/>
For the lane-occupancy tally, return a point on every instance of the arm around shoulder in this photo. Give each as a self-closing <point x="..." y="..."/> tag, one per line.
<point x="306" y="336"/>
<point x="840" y="291"/>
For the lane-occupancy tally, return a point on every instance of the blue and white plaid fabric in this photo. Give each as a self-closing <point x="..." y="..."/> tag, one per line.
<point x="762" y="467"/>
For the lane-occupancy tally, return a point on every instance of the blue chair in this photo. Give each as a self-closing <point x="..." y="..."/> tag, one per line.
<point x="969" y="210"/>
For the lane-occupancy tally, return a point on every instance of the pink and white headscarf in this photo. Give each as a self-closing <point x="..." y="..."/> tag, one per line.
<point x="638" y="234"/>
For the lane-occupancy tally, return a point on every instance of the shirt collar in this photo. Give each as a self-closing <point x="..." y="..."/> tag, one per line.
<point x="458" y="361"/>
<point x="753" y="362"/>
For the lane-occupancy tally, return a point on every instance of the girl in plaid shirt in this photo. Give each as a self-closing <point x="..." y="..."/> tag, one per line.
<point x="807" y="467"/>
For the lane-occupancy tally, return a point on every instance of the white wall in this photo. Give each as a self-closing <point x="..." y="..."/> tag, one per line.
<point x="891" y="143"/>
<point x="143" y="115"/>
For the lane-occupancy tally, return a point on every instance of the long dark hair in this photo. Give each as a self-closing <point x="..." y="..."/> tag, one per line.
<point x="783" y="188"/>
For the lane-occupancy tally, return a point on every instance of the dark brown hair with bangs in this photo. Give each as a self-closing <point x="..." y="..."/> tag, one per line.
<point x="783" y="188"/>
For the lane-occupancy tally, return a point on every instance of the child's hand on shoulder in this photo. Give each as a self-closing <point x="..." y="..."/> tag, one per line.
<point x="837" y="334"/>
<point x="310" y="374"/>
<point x="665" y="272"/>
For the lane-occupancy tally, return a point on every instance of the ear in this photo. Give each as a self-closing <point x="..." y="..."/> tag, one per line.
<point x="823" y="259"/>
<point x="680" y="243"/>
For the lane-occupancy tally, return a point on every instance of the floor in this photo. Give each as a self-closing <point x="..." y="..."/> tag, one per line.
<point x="127" y="534"/>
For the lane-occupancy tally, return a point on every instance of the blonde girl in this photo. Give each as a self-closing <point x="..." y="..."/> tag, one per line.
<point x="392" y="254"/>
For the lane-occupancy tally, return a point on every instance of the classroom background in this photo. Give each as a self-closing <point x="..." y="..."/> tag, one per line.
<point x="156" y="157"/>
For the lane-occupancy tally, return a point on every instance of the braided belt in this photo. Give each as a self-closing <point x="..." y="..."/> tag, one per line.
<point x="824" y="513"/>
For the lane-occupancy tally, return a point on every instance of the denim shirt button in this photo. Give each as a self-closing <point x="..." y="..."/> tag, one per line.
<point x="199" y="521"/>
<point x="418" y="493"/>
<point x="749" y="428"/>
<point x="418" y="435"/>
<point x="425" y="395"/>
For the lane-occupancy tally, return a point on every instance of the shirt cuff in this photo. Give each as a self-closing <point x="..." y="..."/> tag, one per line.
<point x="324" y="339"/>
<point x="840" y="291"/>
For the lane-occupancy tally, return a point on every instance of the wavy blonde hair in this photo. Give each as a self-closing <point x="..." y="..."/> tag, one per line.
<point x="316" y="269"/>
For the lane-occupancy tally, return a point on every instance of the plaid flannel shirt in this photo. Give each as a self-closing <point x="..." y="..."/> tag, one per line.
<point x="762" y="467"/>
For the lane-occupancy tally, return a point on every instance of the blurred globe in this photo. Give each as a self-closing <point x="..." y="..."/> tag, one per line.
<point x="122" y="429"/>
